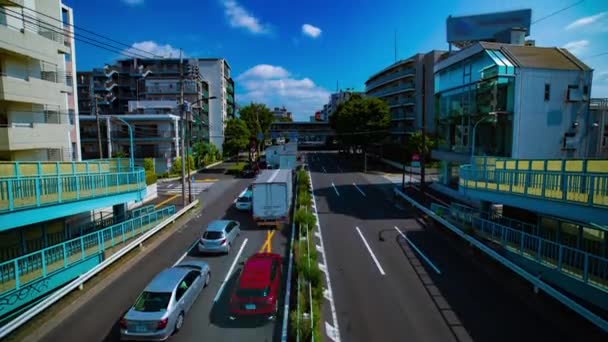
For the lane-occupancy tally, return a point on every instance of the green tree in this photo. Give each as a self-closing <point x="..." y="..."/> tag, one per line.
<point x="258" y="119"/>
<point x="176" y="168"/>
<point x="149" y="164"/>
<point x="360" y="122"/>
<point x="237" y="137"/>
<point x="205" y="154"/>
<point x="417" y="143"/>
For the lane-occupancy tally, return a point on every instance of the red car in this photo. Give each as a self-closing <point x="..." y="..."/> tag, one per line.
<point x="258" y="288"/>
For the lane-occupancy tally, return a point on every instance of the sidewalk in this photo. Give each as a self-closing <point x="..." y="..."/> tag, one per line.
<point x="164" y="180"/>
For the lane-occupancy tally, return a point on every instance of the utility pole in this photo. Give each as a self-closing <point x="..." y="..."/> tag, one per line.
<point x="98" y="127"/>
<point x="183" y="128"/>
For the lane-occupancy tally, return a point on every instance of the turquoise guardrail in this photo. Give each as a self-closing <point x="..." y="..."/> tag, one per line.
<point x="19" y="272"/>
<point x="582" y="182"/>
<point x="18" y="193"/>
<point x="586" y="267"/>
<point x="142" y="211"/>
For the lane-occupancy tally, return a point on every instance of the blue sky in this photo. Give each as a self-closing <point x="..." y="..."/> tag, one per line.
<point x="292" y="53"/>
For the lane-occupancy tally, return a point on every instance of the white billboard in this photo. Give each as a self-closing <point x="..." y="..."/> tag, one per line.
<point x="486" y="26"/>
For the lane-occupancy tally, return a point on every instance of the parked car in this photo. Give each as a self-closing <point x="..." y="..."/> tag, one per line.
<point x="219" y="236"/>
<point x="244" y="201"/>
<point x="258" y="288"/>
<point x="159" y="310"/>
<point x="250" y="171"/>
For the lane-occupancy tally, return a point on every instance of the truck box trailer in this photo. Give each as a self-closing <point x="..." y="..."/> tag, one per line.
<point x="272" y="196"/>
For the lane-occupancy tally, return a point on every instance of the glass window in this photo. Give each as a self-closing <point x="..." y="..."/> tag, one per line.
<point x="547" y="91"/>
<point x="253" y="292"/>
<point x="212" y="235"/>
<point x="152" y="302"/>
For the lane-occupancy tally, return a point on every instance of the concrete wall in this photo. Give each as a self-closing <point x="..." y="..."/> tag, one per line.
<point x="213" y="72"/>
<point x="539" y="125"/>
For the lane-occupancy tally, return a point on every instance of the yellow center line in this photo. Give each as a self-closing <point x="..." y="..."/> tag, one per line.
<point x="166" y="201"/>
<point x="268" y="243"/>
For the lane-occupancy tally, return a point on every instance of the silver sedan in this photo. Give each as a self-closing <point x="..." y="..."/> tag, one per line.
<point x="159" y="311"/>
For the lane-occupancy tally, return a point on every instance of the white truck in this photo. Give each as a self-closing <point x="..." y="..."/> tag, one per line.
<point x="272" y="196"/>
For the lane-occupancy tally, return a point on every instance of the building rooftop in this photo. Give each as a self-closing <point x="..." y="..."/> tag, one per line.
<point x="539" y="57"/>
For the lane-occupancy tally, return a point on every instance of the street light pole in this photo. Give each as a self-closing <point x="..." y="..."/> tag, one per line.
<point x="131" y="149"/>
<point x="183" y="128"/>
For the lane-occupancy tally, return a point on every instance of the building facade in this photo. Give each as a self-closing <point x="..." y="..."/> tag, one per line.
<point x="281" y="114"/>
<point x="216" y="71"/>
<point x="511" y="101"/>
<point x="147" y="86"/>
<point x="37" y="114"/>
<point x="407" y="87"/>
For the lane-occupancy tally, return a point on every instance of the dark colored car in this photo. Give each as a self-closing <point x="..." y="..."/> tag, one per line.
<point x="250" y="171"/>
<point x="258" y="288"/>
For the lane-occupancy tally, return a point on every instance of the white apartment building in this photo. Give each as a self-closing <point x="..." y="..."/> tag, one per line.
<point x="216" y="71"/>
<point x="36" y="61"/>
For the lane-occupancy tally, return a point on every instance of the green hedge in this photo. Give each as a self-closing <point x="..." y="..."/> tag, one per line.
<point x="236" y="169"/>
<point x="150" y="177"/>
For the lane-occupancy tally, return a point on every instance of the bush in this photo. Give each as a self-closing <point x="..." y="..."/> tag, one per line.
<point x="150" y="178"/>
<point x="305" y="218"/>
<point x="236" y="169"/>
<point x="149" y="164"/>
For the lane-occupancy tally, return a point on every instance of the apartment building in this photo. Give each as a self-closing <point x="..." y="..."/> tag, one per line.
<point x="38" y="107"/>
<point x="281" y="114"/>
<point x="512" y="101"/>
<point x="147" y="87"/>
<point x="407" y="87"/>
<point x="222" y="106"/>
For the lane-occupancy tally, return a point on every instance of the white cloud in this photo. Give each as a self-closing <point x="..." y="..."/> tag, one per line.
<point x="275" y="86"/>
<point x="584" y="21"/>
<point x="239" y="17"/>
<point x="133" y="2"/>
<point x="264" y="71"/>
<point x="311" y="31"/>
<point x="576" y="46"/>
<point x="601" y="77"/>
<point x="153" y="48"/>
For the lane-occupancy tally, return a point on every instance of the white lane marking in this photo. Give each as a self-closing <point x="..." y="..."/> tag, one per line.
<point x="428" y="261"/>
<point x="335" y="333"/>
<point x="324" y="169"/>
<point x="335" y="189"/>
<point x="361" y="191"/>
<point x="236" y="259"/>
<point x="370" y="251"/>
<point x="186" y="253"/>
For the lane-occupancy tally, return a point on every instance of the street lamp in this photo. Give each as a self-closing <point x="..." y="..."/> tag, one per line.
<point x="131" y="150"/>
<point x="493" y="117"/>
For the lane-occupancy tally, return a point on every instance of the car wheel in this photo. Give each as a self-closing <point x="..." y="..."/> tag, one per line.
<point x="228" y="250"/>
<point x="207" y="279"/>
<point x="179" y="322"/>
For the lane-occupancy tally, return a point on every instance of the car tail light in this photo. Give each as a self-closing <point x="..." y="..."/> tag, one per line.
<point x="269" y="300"/>
<point x="123" y="323"/>
<point x="223" y="241"/>
<point x="162" y="324"/>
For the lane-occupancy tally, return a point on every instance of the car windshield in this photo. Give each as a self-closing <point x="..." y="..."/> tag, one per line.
<point x="253" y="292"/>
<point x="244" y="199"/>
<point x="152" y="302"/>
<point x="213" y="235"/>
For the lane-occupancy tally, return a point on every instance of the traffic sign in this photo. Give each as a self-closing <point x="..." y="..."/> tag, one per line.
<point x="415" y="160"/>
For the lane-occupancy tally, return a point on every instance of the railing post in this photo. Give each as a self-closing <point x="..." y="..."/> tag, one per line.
<point x="65" y="255"/>
<point x="11" y="203"/>
<point x="591" y="190"/>
<point x="77" y="186"/>
<point x="521" y="244"/>
<point x="101" y="241"/>
<point x="122" y="228"/>
<point x="43" y="262"/>
<point x="17" y="280"/>
<point x="82" y="248"/>
<point x="544" y="182"/>
<point x="586" y="270"/>
<point x="560" y="257"/>
<point x="564" y="181"/>
<point x="538" y="253"/>
<point x="37" y="190"/>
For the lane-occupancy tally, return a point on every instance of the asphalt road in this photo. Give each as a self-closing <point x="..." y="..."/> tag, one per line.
<point x="385" y="290"/>
<point x="207" y="320"/>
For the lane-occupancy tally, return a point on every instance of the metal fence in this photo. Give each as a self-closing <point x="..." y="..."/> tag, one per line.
<point x="28" y="192"/>
<point x="589" y="268"/>
<point x="588" y="188"/>
<point x="25" y="269"/>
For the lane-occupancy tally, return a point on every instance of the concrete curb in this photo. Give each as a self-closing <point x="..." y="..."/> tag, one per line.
<point x="164" y="180"/>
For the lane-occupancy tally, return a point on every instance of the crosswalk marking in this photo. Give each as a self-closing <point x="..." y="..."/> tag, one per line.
<point x="176" y="189"/>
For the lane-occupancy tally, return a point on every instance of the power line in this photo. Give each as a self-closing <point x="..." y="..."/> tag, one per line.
<point x="93" y="33"/>
<point x="84" y="39"/>
<point x="556" y="12"/>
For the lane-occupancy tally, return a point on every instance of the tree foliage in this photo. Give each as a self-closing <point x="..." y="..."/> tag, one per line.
<point x="237" y="136"/>
<point x="205" y="153"/>
<point x="360" y="122"/>
<point x="417" y="143"/>
<point x="257" y="117"/>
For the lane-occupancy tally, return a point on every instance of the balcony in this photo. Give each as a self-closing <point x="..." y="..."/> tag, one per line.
<point x="31" y="192"/>
<point x="402" y="102"/>
<point x="40" y="88"/>
<point x="403" y="116"/>
<point x="229" y="88"/>
<point x="229" y="99"/>
<point x="389" y="78"/>
<point x="402" y="130"/>
<point x="22" y="31"/>
<point x="31" y="136"/>
<point x="573" y="189"/>
<point x="393" y="90"/>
